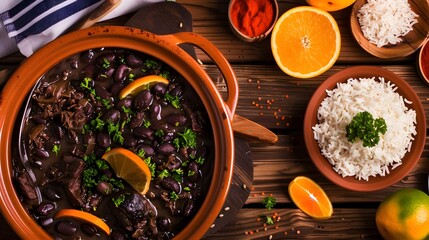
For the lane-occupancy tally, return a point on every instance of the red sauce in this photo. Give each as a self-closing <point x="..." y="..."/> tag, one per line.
<point x="252" y="17"/>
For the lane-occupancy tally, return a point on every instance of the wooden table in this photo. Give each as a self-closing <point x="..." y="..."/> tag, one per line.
<point x="277" y="101"/>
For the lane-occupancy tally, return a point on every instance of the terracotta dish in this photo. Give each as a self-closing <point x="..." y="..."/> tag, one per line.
<point x="411" y="42"/>
<point x="374" y="183"/>
<point x="165" y="48"/>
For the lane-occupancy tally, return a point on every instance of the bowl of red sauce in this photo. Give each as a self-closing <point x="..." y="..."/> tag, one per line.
<point x="252" y="20"/>
<point x="423" y="61"/>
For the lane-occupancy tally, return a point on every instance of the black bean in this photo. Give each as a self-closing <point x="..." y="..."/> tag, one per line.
<point x="88" y="71"/>
<point x="103" y="139"/>
<point x="101" y="92"/>
<point x="45" y="208"/>
<point x="163" y="223"/>
<point x="168" y="136"/>
<point x="113" y="115"/>
<point x="158" y="159"/>
<point x="45" y="221"/>
<point x="121" y="72"/>
<point x="137" y="120"/>
<point x="42" y="153"/>
<point x="59" y="131"/>
<point x="37" y="163"/>
<point x="110" y="71"/>
<point x="134" y="61"/>
<point x="175" y="119"/>
<point x="194" y="174"/>
<point x="125" y="102"/>
<point x="129" y="140"/>
<point x="51" y="194"/>
<point x="101" y="77"/>
<point x="159" y="89"/>
<point x="106" y="59"/>
<point x="166" y="148"/>
<point x="66" y="227"/>
<point x="89" y="229"/>
<point x="176" y="91"/>
<point x="156" y="111"/>
<point x="188" y="206"/>
<point x="116" y="88"/>
<point x="143" y="132"/>
<point x="149" y="151"/>
<point x="104" y="188"/>
<point x="143" y="100"/>
<point x="171" y="184"/>
<point x="173" y="162"/>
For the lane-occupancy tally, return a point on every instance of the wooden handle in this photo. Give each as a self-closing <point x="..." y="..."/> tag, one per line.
<point x="245" y="128"/>
<point x="102" y="10"/>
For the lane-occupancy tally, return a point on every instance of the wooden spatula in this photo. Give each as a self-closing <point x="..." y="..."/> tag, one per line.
<point x="170" y="17"/>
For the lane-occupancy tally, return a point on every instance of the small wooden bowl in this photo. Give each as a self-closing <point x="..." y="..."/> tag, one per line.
<point x="250" y="39"/>
<point x="423" y="62"/>
<point x="410" y="43"/>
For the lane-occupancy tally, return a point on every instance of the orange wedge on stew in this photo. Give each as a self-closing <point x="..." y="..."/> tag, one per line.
<point x="140" y="84"/>
<point x="310" y="198"/>
<point x="305" y="42"/>
<point x="84" y="217"/>
<point x="130" y="167"/>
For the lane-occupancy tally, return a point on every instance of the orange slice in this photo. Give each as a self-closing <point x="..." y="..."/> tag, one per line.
<point x="85" y="217"/>
<point x="310" y="198"/>
<point x="130" y="167"/>
<point x="140" y="84"/>
<point x="305" y="42"/>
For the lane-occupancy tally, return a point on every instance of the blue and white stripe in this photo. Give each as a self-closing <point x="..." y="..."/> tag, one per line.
<point x="31" y="17"/>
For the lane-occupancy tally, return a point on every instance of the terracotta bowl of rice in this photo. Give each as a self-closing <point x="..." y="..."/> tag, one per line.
<point x="364" y="99"/>
<point x="390" y="29"/>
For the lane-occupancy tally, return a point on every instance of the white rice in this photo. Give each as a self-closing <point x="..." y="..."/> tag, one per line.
<point x="381" y="101"/>
<point x="386" y="21"/>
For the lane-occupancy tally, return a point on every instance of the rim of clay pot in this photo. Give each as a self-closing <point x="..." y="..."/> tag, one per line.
<point x="166" y="49"/>
<point x="408" y="161"/>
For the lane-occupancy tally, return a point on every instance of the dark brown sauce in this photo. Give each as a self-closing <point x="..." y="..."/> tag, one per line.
<point x="157" y="215"/>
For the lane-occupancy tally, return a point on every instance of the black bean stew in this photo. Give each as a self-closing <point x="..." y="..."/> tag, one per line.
<point x="74" y="115"/>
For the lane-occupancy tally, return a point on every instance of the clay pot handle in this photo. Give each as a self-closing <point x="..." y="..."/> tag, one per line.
<point x="222" y="63"/>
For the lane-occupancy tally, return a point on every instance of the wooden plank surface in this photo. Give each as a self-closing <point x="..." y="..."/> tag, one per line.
<point x="277" y="101"/>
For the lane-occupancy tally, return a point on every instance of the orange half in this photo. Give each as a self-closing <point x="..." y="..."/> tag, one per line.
<point x="310" y="198"/>
<point x="83" y="217"/>
<point x="305" y="42"/>
<point x="140" y="84"/>
<point x="130" y="167"/>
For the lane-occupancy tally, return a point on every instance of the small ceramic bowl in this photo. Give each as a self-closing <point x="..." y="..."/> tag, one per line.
<point x="241" y="35"/>
<point x="423" y="61"/>
<point x="408" y="161"/>
<point x="410" y="42"/>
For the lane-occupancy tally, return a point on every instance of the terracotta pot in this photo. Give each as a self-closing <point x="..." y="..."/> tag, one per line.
<point x="166" y="49"/>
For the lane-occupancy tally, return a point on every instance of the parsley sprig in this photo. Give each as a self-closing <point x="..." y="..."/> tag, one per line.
<point x="366" y="128"/>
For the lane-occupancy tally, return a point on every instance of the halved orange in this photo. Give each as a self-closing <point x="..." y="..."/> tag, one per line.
<point x="310" y="198"/>
<point x="130" y="167"/>
<point x="140" y="84"/>
<point x="83" y="216"/>
<point x="305" y="42"/>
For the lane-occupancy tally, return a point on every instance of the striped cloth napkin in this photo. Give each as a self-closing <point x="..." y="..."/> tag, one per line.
<point x="27" y="25"/>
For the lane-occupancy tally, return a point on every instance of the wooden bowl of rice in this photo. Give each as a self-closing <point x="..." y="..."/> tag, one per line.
<point x="386" y="34"/>
<point x="351" y="165"/>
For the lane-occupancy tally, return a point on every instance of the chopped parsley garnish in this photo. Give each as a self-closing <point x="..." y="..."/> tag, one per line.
<point x="191" y="173"/>
<point x="165" y="74"/>
<point x="56" y="149"/>
<point x="164" y="173"/>
<point x="159" y="133"/>
<point x="94" y="173"/>
<point x="174" y="196"/>
<point x="200" y="160"/>
<point x="85" y="84"/>
<point x="187" y="189"/>
<point x="151" y="63"/>
<point x="97" y="123"/>
<point x="269" y="202"/>
<point x="269" y="220"/>
<point x="174" y="100"/>
<point x="146" y="123"/>
<point x="115" y="130"/>
<point x="127" y="110"/>
<point x="366" y="128"/>
<point x="119" y="200"/>
<point x="186" y="139"/>
<point x="141" y="153"/>
<point x="106" y="63"/>
<point x="151" y="166"/>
